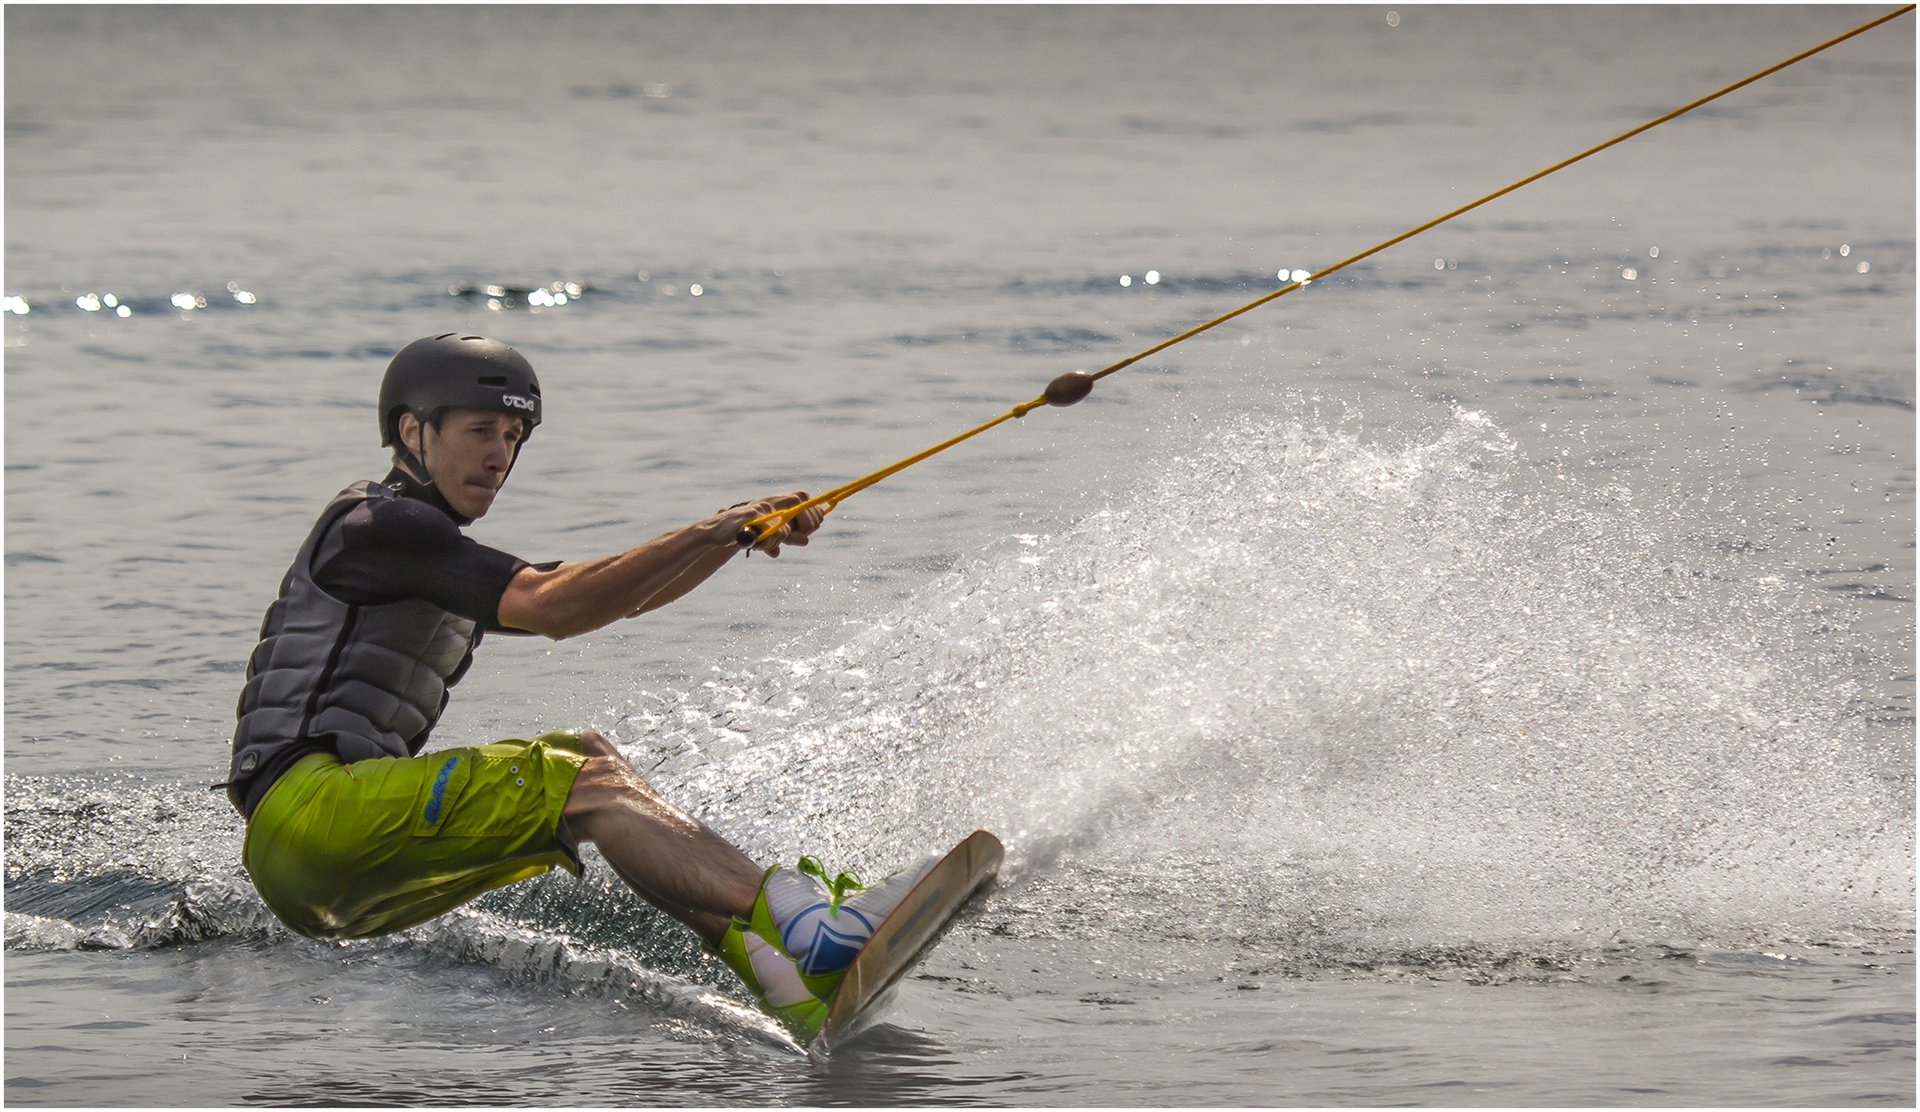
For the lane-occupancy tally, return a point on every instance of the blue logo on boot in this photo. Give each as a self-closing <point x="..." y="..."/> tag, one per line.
<point x="824" y="943"/>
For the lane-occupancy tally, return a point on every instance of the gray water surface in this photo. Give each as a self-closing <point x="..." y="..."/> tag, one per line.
<point x="1482" y="677"/>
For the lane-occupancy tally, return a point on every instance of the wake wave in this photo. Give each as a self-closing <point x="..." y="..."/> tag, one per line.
<point x="121" y="864"/>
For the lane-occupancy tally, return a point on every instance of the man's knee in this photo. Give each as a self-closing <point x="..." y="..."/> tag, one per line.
<point x="608" y="783"/>
<point x="595" y="744"/>
<point x="600" y="781"/>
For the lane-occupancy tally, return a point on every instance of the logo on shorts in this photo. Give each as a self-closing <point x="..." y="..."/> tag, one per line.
<point x="432" y="813"/>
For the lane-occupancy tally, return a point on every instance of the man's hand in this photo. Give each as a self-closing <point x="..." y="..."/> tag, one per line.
<point x="731" y="520"/>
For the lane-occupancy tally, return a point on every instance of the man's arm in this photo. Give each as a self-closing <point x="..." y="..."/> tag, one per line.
<point x="577" y="598"/>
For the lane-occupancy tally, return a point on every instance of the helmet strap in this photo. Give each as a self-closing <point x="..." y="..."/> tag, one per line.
<point x="405" y="458"/>
<point x="417" y="464"/>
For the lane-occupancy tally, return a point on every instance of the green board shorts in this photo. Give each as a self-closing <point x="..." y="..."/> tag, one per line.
<point x="355" y="850"/>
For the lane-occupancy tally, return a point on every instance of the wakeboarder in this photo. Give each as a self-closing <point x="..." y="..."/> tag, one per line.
<point x="354" y="831"/>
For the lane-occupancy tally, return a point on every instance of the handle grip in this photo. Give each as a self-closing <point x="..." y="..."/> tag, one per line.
<point x="753" y="532"/>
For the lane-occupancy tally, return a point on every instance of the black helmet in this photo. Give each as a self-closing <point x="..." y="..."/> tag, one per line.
<point x="451" y="370"/>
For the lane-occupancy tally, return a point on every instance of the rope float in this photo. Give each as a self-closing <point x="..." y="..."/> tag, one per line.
<point x="1075" y="385"/>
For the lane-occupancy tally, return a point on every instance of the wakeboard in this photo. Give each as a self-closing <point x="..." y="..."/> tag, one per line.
<point x="905" y="936"/>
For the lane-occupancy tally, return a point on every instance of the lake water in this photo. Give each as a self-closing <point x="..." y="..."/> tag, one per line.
<point x="1483" y="677"/>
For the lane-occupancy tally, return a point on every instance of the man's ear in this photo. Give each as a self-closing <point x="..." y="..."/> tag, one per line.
<point x="410" y="435"/>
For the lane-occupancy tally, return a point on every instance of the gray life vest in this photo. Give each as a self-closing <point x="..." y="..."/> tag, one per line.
<point x="330" y="676"/>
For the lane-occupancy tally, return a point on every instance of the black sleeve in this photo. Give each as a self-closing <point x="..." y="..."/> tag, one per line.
<point x="401" y="548"/>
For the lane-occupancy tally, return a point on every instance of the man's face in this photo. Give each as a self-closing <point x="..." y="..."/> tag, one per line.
<point x="467" y="456"/>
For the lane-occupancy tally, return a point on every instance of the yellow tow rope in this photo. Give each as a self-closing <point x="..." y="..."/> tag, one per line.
<point x="1075" y="385"/>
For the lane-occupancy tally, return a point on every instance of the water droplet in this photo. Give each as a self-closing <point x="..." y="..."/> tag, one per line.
<point x="644" y="276"/>
<point x="1862" y="268"/>
<point x="1126" y="279"/>
<point x="123" y="312"/>
<point x="91" y="301"/>
<point x="1393" y="19"/>
<point x="1299" y="275"/>
<point x="1846" y="249"/>
<point x="1629" y="274"/>
<point x="1153" y="277"/>
<point x="1653" y="252"/>
<point x="696" y="289"/>
<point x="1439" y="264"/>
<point x="16" y="305"/>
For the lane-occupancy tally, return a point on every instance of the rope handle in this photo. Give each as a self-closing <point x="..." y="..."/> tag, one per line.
<point x="764" y="526"/>
<point x="1063" y="391"/>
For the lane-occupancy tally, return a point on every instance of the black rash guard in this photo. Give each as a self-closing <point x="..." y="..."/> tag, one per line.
<point x="412" y="547"/>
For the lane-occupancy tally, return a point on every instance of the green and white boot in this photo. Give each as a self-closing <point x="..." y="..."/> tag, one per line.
<point x="805" y="929"/>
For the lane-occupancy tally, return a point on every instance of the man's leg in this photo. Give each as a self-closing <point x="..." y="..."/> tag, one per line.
<point x="666" y="855"/>
<point x="788" y="934"/>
